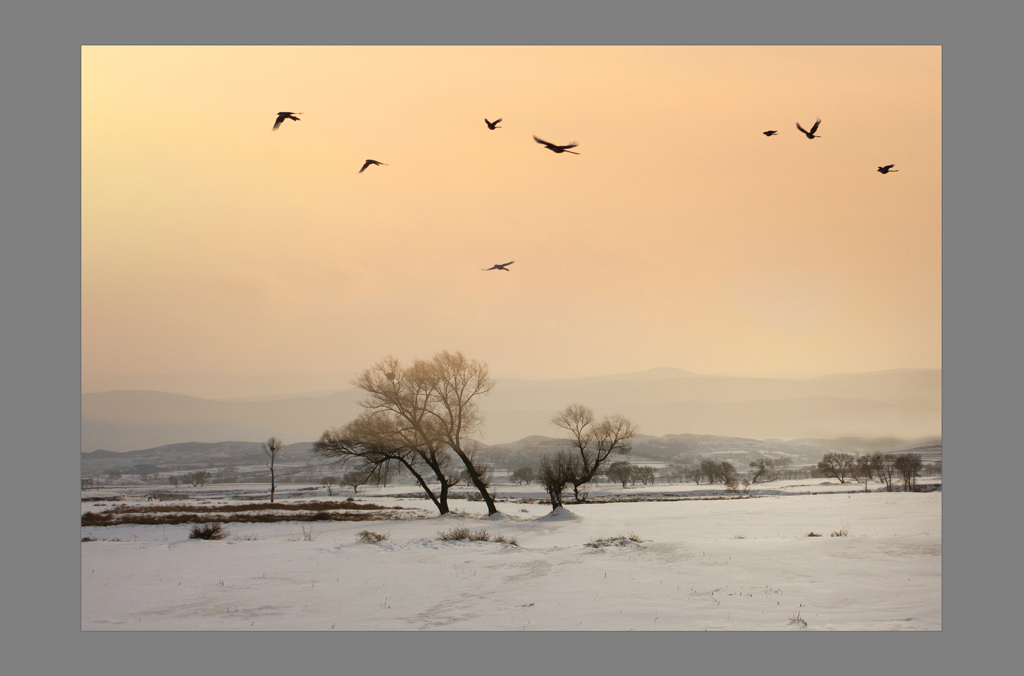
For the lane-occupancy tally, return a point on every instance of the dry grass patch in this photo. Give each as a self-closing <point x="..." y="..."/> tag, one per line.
<point x="619" y="540"/>
<point x="209" y="531"/>
<point x="370" y="537"/>
<point x="480" y="535"/>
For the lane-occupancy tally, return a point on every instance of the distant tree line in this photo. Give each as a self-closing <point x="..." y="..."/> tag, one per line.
<point x="889" y="469"/>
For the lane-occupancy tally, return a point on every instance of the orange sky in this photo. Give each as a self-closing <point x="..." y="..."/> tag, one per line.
<point x="680" y="236"/>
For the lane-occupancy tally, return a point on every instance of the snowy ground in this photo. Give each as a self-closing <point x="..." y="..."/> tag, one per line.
<point x="741" y="563"/>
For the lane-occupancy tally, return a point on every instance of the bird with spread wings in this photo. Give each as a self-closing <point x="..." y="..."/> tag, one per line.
<point x="281" y="117"/>
<point x="558" y="149"/>
<point x="368" y="163"/>
<point x="810" y="134"/>
<point x="499" y="266"/>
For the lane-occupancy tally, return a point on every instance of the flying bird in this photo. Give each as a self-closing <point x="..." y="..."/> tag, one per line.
<point x="771" y="132"/>
<point x="492" y="125"/>
<point x="368" y="163"/>
<point x="499" y="266"/>
<point x="810" y="134"/>
<point x="558" y="149"/>
<point x="887" y="168"/>
<point x="281" y="117"/>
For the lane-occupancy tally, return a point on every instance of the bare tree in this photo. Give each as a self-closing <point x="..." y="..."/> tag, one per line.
<point x="863" y="468"/>
<point x="620" y="471"/>
<point x="417" y="416"/>
<point x="454" y="412"/>
<point x="556" y="472"/>
<point x="421" y="415"/>
<point x="355" y="480"/>
<point x="764" y="468"/>
<point x="198" y="478"/>
<point x="374" y="443"/>
<point x="329" y="481"/>
<point x="272" y="449"/>
<point x="645" y="473"/>
<point x="909" y="466"/>
<point x="523" y="475"/>
<point x="696" y="473"/>
<point x="173" y="480"/>
<point x="838" y="465"/>
<point x="593" y="441"/>
<point x="885" y="468"/>
<point x="707" y="469"/>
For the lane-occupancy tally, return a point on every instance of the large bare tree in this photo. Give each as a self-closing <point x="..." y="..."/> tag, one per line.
<point x="422" y="415"/>
<point x="375" y="443"/>
<point x="593" y="441"/>
<point x="454" y="412"/>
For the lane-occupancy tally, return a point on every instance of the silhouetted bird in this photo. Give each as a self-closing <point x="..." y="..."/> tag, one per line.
<point x="368" y="163"/>
<point x="281" y="117"/>
<point x="771" y="132"/>
<point x="558" y="149"/>
<point x="887" y="168"/>
<point x="492" y="125"/>
<point x="810" y="134"/>
<point x="501" y="266"/>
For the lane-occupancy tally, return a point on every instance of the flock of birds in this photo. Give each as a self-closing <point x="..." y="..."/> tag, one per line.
<point x="810" y="134"/>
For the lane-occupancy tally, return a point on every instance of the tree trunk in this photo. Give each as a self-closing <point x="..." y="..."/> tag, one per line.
<point x="474" y="476"/>
<point x="556" y="500"/>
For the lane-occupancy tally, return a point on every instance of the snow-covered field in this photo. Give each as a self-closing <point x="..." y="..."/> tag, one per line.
<point x="740" y="563"/>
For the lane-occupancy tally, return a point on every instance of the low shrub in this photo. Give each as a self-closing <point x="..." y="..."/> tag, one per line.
<point x="812" y="534"/>
<point x="208" y="531"/>
<point x="370" y="537"/>
<point x="615" y="540"/>
<point x="481" y="535"/>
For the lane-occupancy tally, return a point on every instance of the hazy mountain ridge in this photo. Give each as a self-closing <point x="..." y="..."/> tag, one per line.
<point x="903" y="404"/>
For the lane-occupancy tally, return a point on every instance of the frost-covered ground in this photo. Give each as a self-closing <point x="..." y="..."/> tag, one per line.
<point x="704" y="564"/>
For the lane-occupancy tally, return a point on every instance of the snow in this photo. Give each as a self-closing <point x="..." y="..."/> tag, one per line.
<point x="708" y="561"/>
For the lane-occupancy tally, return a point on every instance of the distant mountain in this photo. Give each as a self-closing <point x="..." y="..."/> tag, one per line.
<point x="905" y="404"/>
<point x="193" y="455"/>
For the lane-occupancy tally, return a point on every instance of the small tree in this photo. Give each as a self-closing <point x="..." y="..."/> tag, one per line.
<point x="198" y="478"/>
<point x="836" y="464"/>
<point x="523" y="475"/>
<point x="556" y="472"/>
<point x="885" y="468"/>
<point x="329" y="481"/>
<point x="707" y="469"/>
<point x="863" y="468"/>
<point x="645" y="473"/>
<point x="355" y="479"/>
<point x="620" y="471"/>
<point x="173" y="480"/>
<point x="593" y="441"/>
<point x="909" y="467"/>
<point x="764" y="469"/>
<point x="272" y="449"/>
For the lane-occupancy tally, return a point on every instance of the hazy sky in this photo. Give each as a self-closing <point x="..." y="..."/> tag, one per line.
<point x="680" y="236"/>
